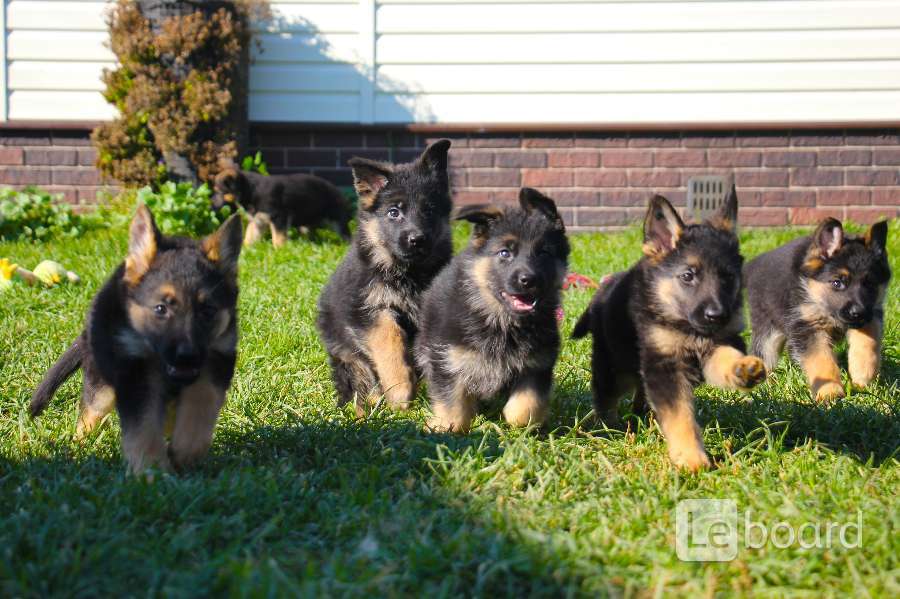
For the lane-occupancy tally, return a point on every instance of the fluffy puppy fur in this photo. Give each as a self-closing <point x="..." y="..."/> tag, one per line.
<point x="815" y="290"/>
<point x="489" y="319"/>
<point x="279" y="202"/>
<point x="369" y="310"/>
<point x="161" y="335"/>
<point x="671" y="321"/>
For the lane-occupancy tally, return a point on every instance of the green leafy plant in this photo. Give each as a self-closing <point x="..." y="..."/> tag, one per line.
<point x="36" y="215"/>
<point x="255" y="163"/>
<point x="182" y="209"/>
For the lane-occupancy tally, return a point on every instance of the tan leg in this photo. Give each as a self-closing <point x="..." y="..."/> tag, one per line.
<point x="678" y="424"/>
<point x="195" y="420"/>
<point x="253" y="233"/>
<point x="387" y="350"/>
<point x="92" y="412"/>
<point x="527" y="404"/>
<point x="143" y="441"/>
<point x="822" y="371"/>
<point x="729" y="368"/>
<point x="454" y="413"/>
<point x="864" y="353"/>
<point x="279" y="237"/>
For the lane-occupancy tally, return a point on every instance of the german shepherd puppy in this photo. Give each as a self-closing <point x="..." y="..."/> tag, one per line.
<point x="813" y="291"/>
<point x="671" y="321"/>
<point x="489" y="319"/>
<point x="279" y="202"/>
<point x="161" y="335"/>
<point x="369" y="310"/>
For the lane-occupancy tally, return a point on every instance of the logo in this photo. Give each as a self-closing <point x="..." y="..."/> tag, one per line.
<point x="706" y="530"/>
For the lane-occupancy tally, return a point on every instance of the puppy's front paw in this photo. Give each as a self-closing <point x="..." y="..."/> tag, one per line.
<point x="830" y="391"/>
<point x="748" y="372"/>
<point x="436" y="424"/>
<point x="690" y="460"/>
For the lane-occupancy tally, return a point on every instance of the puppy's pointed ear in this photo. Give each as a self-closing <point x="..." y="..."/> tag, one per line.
<point x="662" y="228"/>
<point x="726" y="217"/>
<point x="224" y="246"/>
<point x="369" y="178"/>
<point x="143" y="241"/>
<point x="532" y="200"/>
<point x="435" y="156"/>
<point x="876" y="236"/>
<point x="482" y="216"/>
<point x="828" y="238"/>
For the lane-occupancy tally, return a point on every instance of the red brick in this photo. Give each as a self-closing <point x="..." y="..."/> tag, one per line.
<point x="789" y="159"/>
<point x="87" y="157"/>
<point x="868" y="216"/>
<point x="844" y="157"/>
<point x="88" y="195"/>
<point x="82" y="176"/>
<point x="24" y="137"/>
<point x="806" y="177"/>
<point x="12" y="156"/>
<point x="574" y="158"/>
<point x="600" y="178"/>
<point x="576" y="198"/>
<point x="327" y="157"/>
<point x="872" y="138"/>
<point x="627" y="158"/>
<point x="68" y="194"/>
<point x="758" y="139"/>
<point x="458" y="178"/>
<point x="501" y="177"/>
<point x="886" y="197"/>
<point x="753" y="198"/>
<point x="70" y="138"/>
<point x="603" y="217"/>
<point x="337" y="139"/>
<point x="469" y="196"/>
<point x="654" y="140"/>
<point x="338" y="176"/>
<point x="471" y="158"/>
<point x="52" y="157"/>
<point x="734" y="158"/>
<point x="821" y="138"/>
<point x="547" y="177"/>
<point x="844" y="197"/>
<point x="548" y="141"/>
<point x="713" y="139"/>
<point x="653" y="178"/>
<point x="600" y="140"/>
<point x="25" y="176"/>
<point x="812" y="216"/>
<point x="874" y="177"/>
<point x="568" y="216"/>
<point x="762" y="217"/>
<point x="887" y="157"/>
<point x="520" y="159"/>
<point x="689" y="158"/>
<point x="403" y="155"/>
<point x="491" y="141"/>
<point x="769" y="178"/>
<point x="624" y="198"/>
<point x="788" y="198"/>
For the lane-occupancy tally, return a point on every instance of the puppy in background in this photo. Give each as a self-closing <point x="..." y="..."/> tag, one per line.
<point x="369" y="312"/>
<point x="488" y="325"/>
<point x="670" y="322"/>
<point x="816" y="290"/>
<point x="279" y="202"/>
<point x="161" y="335"/>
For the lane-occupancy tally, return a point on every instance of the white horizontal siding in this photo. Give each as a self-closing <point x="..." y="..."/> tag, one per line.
<point x="622" y="61"/>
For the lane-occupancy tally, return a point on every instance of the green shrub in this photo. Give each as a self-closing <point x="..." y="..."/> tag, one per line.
<point x="33" y="215"/>
<point x="181" y="209"/>
<point x="255" y="164"/>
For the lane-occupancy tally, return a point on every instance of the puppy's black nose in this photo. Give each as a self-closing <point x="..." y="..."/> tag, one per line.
<point x="186" y="353"/>
<point x="855" y="312"/>
<point x="714" y="313"/>
<point x="415" y="240"/>
<point x="527" y="280"/>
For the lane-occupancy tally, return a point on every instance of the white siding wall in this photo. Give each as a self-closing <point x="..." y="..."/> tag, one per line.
<point x="628" y="61"/>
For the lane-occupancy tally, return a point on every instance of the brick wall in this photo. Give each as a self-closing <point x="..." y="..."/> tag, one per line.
<point x="599" y="179"/>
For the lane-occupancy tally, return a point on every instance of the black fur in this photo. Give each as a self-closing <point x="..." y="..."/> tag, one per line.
<point x="402" y="242"/>
<point x="284" y="201"/>
<point x="489" y="319"/>
<point x="148" y="345"/>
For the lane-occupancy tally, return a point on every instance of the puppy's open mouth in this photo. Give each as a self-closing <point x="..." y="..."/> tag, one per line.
<point x="182" y="373"/>
<point x="519" y="302"/>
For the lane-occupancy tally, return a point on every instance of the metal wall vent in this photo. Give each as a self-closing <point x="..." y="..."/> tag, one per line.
<point x="706" y="194"/>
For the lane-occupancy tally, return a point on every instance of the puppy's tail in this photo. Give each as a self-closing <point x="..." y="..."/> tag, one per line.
<point x="583" y="326"/>
<point x="68" y="363"/>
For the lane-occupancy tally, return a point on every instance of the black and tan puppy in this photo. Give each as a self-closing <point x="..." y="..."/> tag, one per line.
<point x="489" y="319"/>
<point x="670" y="322"/>
<point x="279" y="202"/>
<point x="813" y="291"/>
<point x="369" y="311"/>
<point x="161" y="335"/>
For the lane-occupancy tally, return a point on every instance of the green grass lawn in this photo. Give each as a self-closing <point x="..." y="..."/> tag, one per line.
<point x="298" y="497"/>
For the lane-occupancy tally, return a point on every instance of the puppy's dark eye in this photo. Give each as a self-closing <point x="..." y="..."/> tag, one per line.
<point x="687" y="277"/>
<point x="504" y="253"/>
<point x="838" y="284"/>
<point x="160" y="310"/>
<point x="393" y="213"/>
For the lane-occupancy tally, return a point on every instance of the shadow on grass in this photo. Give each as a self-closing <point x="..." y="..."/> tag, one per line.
<point x="323" y="507"/>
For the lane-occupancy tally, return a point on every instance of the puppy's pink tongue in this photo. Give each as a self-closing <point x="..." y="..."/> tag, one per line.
<point x="519" y="304"/>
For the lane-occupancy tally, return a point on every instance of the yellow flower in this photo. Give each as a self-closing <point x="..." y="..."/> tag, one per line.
<point x="7" y="268"/>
